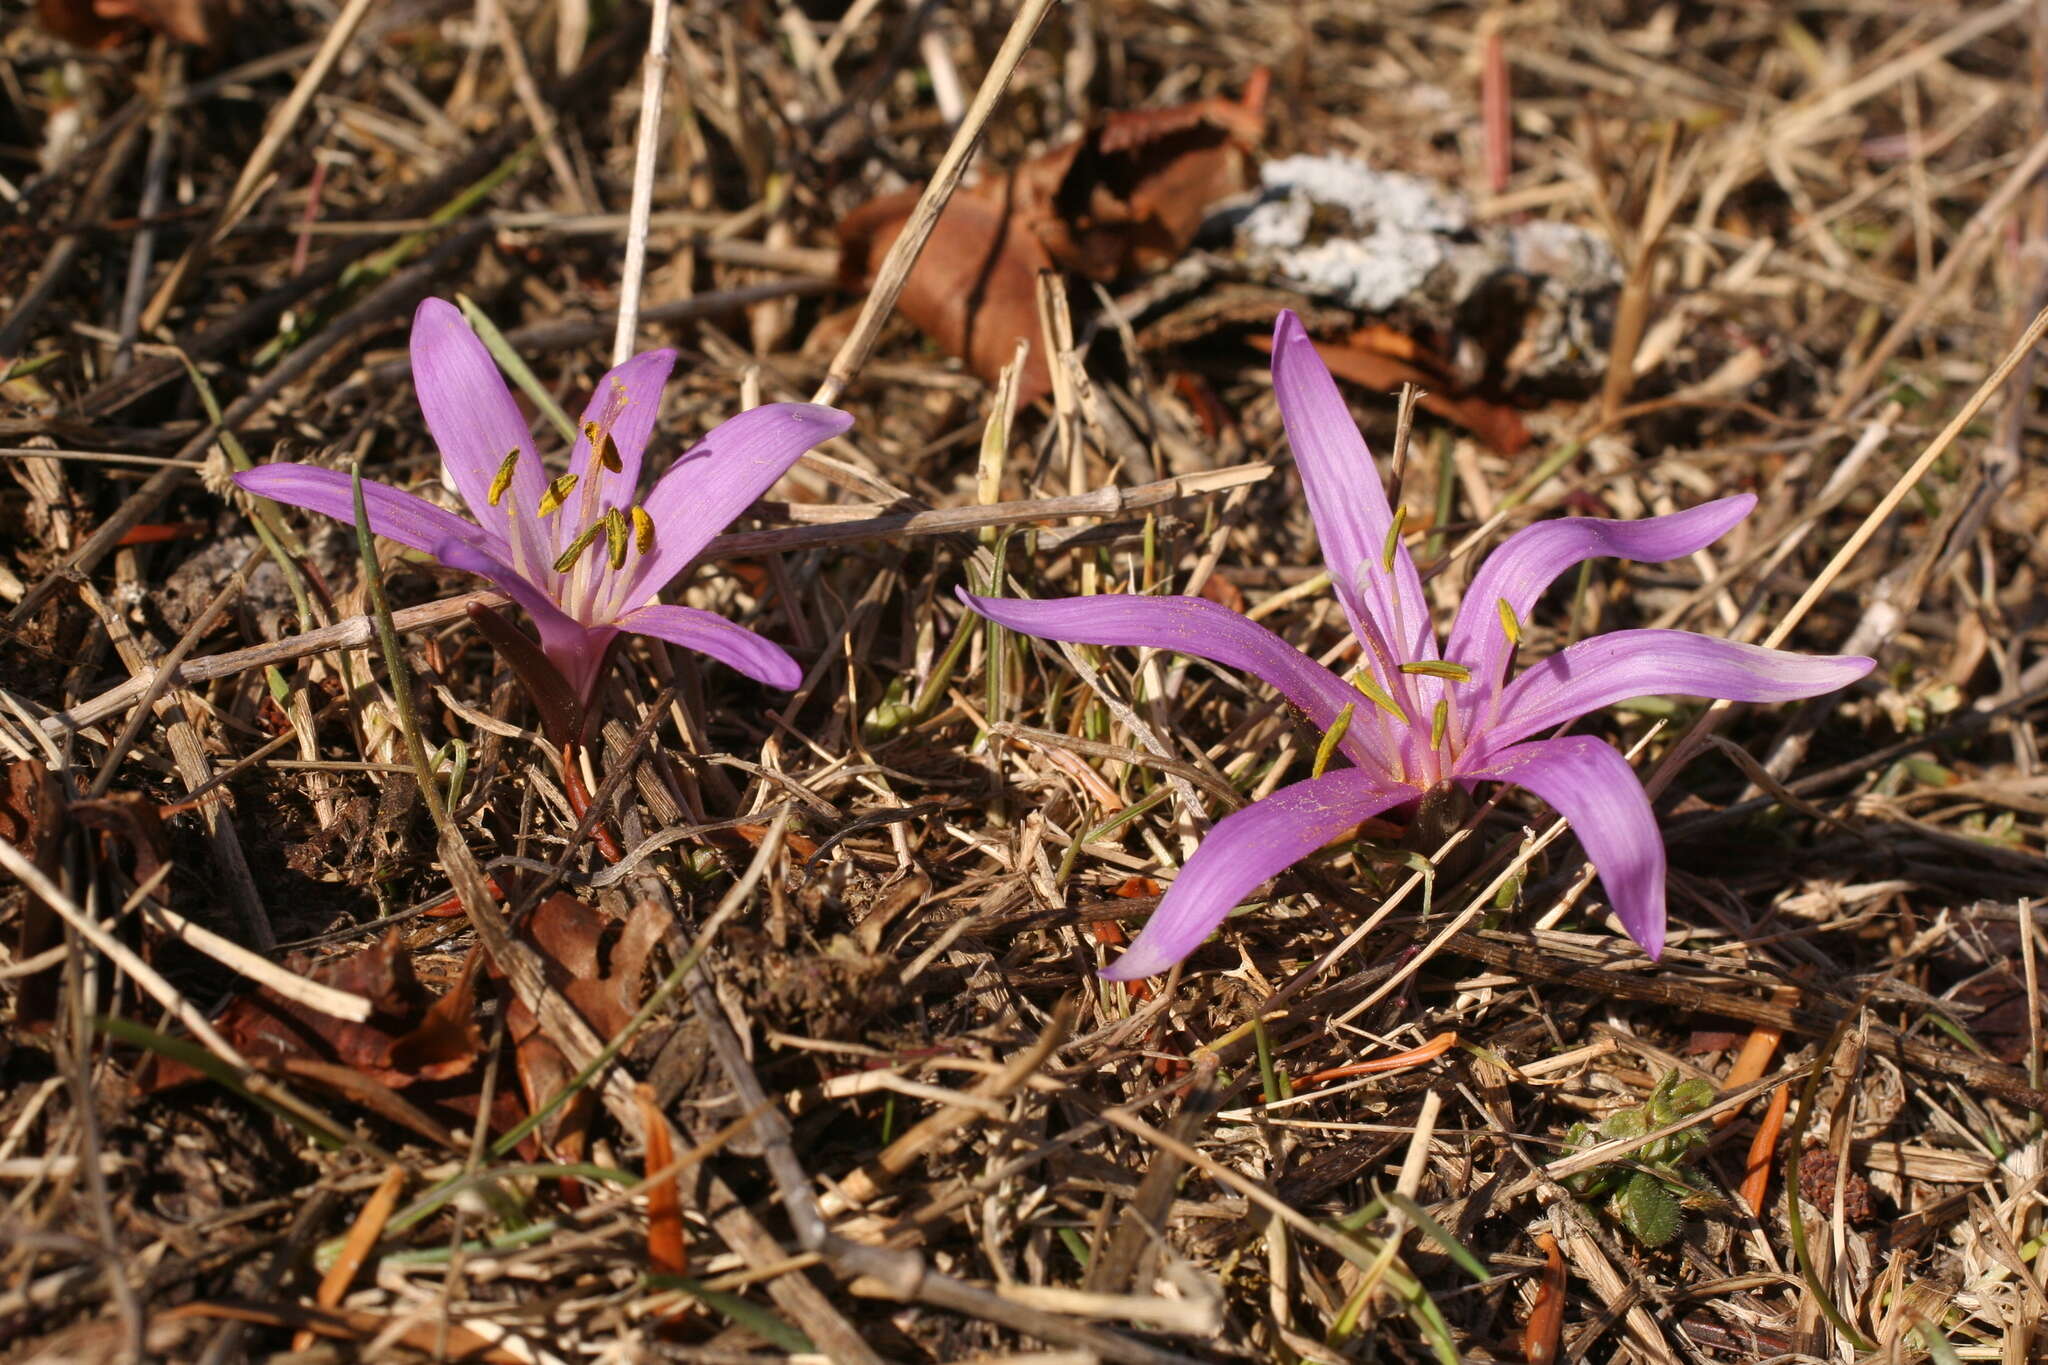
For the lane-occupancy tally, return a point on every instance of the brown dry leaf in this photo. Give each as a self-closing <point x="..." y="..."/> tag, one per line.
<point x="409" y="1037"/>
<point x="1127" y="195"/>
<point x="31" y="818"/>
<point x="667" y="1251"/>
<point x="972" y="290"/>
<point x="134" y="820"/>
<point x="604" y="986"/>
<point x="1498" y="425"/>
<point x="106" y="23"/>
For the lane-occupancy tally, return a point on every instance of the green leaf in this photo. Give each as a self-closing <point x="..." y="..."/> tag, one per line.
<point x="1647" y="1210"/>
<point x="751" y="1316"/>
<point x="1438" y="1233"/>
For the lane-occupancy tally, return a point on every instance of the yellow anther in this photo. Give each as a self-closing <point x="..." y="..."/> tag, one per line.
<point x="1509" y="626"/>
<point x="1332" y="738"/>
<point x="502" y="480"/>
<point x="643" y="530"/>
<point x="577" y="546"/>
<point x="615" y="536"/>
<point x="1437" y="723"/>
<point x="1393" y="539"/>
<point x="603" y="446"/>
<point x="1377" y="695"/>
<point x="557" y="492"/>
<point x="1439" y="668"/>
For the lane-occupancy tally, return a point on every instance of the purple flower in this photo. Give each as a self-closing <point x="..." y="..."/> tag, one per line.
<point x="579" y="552"/>
<point x="1414" y="715"/>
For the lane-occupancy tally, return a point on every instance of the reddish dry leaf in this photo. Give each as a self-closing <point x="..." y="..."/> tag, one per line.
<point x="434" y="1336"/>
<point x="106" y="23"/>
<point x="1223" y="593"/>
<point x="1751" y="1063"/>
<point x="31" y="816"/>
<point x="1127" y="195"/>
<point x="801" y="845"/>
<point x="134" y="820"/>
<point x="1756" y="1177"/>
<point x="604" y="986"/>
<point x="1545" y="1326"/>
<point x="1111" y="934"/>
<point x="1498" y="425"/>
<point x="1208" y="408"/>
<point x="409" y="1037"/>
<point x="356" y="1248"/>
<point x="1399" y="1061"/>
<point x="667" y="1252"/>
<point x="973" y="288"/>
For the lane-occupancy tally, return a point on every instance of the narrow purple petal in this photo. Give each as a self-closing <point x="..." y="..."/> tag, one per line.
<point x="476" y="424"/>
<point x="394" y="513"/>
<point x="716" y="479"/>
<point x="1529" y="561"/>
<point x="709" y="633"/>
<point x="574" y="648"/>
<point x="1348" y="503"/>
<point x="1646" y="663"/>
<point x="1243" y="850"/>
<point x="1201" y="629"/>
<point x="1593" y="787"/>
<point x="627" y="401"/>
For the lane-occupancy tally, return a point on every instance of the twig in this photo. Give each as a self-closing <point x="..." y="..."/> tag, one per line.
<point x="357" y="631"/>
<point x="1690" y="742"/>
<point x="645" y="147"/>
<point x="243" y="197"/>
<point x="164" y="993"/>
<point x="903" y="253"/>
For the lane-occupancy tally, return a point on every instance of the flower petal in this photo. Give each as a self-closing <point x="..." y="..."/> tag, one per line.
<point x="1644" y="663"/>
<point x="1201" y="629"/>
<point x="476" y="424"/>
<point x="1592" y="786"/>
<point x="1529" y="561"/>
<point x="715" y="480"/>
<point x="709" y="633"/>
<point x="627" y="400"/>
<point x="1243" y="850"/>
<point x="574" y="648"/>
<point x="394" y="513"/>
<point x="1349" y="504"/>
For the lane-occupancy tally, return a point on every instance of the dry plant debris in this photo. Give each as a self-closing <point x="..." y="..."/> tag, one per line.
<point x="761" y="1024"/>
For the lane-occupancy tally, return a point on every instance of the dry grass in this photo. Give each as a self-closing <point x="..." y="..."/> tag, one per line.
<point x="877" y="1104"/>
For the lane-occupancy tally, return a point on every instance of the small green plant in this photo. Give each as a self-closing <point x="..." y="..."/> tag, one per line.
<point x="1647" y="1194"/>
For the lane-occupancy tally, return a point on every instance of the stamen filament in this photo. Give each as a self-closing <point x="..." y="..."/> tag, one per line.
<point x="502" y="480"/>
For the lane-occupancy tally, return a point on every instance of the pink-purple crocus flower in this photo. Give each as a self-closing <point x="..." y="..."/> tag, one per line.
<point x="580" y="552"/>
<point x="1413" y="714"/>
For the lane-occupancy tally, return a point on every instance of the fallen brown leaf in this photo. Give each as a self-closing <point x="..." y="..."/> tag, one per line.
<point x="107" y="23"/>
<point x="1128" y="194"/>
<point x="410" y="1036"/>
<point x="602" y="982"/>
<point x="1498" y="425"/>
